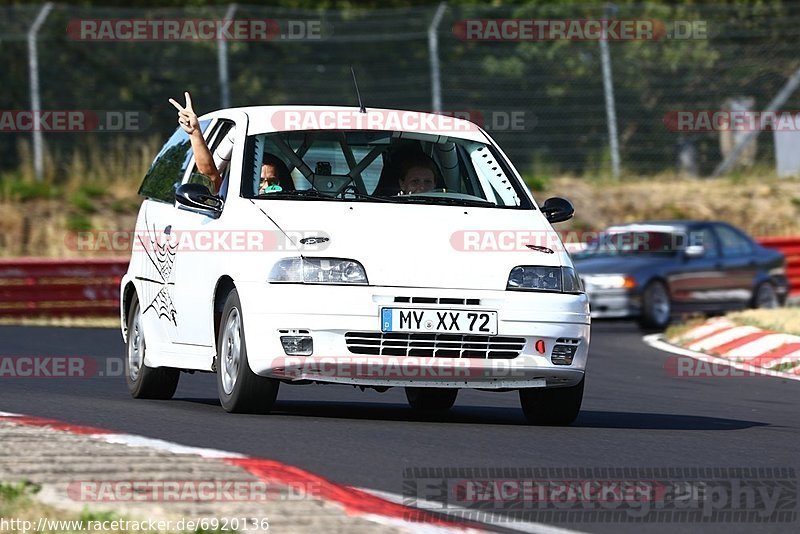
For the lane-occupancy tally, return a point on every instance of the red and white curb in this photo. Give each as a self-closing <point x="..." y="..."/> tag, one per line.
<point x="752" y="350"/>
<point x="379" y="507"/>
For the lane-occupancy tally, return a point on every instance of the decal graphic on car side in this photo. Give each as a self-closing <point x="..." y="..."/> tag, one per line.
<point x="157" y="275"/>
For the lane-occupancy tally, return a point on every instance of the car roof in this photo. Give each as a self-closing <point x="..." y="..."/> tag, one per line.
<point x="268" y="119"/>
<point x="670" y="225"/>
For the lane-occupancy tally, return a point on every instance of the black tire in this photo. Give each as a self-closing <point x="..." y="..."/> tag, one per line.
<point x="431" y="399"/>
<point x="240" y="389"/>
<point x="552" y="406"/>
<point x="145" y="382"/>
<point x="656" y="306"/>
<point x="765" y="296"/>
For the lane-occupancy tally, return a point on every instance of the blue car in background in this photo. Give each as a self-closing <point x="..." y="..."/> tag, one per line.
<point x="653" y="270"/>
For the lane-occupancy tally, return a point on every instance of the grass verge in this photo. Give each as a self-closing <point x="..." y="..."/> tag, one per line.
<point x="21" y="512"/>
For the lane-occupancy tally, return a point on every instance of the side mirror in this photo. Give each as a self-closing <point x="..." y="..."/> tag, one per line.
<point x="557" y="209"/>
<point x="694" y="251"/>
<point x="198" y="197"/>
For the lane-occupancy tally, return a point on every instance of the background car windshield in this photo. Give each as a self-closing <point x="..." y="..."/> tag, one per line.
<point x="358" y="165"/>
<point x="630" y="243"/>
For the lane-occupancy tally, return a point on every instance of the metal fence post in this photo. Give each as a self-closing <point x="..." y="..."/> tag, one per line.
<point x="433" y="51"/>
<point x="222" y="62"/>
<point x="608" y="89"/>
<point x="36" y="104"/>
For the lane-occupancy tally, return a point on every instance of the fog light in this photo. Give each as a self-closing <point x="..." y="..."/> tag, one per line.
<point x="297" y="345"/>
<point x="563" y="354"/>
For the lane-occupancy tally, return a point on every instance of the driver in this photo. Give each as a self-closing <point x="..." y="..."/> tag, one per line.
<point x="417" y="174"/>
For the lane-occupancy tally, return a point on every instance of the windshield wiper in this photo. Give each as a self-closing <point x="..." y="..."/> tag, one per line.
<point x="445" y="200"/>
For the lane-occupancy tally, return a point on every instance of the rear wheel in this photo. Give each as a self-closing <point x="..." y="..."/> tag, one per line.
<point x="145" y="382"/>
<point x="240" y="389"/>
<point x="765" y="296"/>
<point x="431" y="399"/>
<point x="552" y="406"/>
<point x="656" y="306"/>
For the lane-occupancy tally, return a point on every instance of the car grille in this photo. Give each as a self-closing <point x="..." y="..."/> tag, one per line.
<point x="438" y="300"/>
<point x="434" y="345"/>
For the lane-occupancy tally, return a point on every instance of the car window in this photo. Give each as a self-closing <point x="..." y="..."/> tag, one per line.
<point x="168" y="167"/>
<point x="732" y="242"/>
<point x="365" y="166"/>
<point x="708" y="242"/>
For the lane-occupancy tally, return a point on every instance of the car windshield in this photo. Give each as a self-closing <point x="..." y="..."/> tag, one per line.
<point x="379" y="166"/>
<point x="628" y="243"/>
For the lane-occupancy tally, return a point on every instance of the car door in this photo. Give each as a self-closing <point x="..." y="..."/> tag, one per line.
<point x="738" y="264"/>
<point x="697" y="280"/>
<point x="204" y="244"/>
<point x="152" y="257"/>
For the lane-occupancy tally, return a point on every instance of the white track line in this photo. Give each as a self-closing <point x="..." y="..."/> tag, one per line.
<point x="8" y="414"/>
<point x="656" y="341"/>
<point x="494" y="520"/>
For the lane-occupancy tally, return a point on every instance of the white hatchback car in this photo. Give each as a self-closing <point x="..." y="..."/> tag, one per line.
<point x="332" y="273"/>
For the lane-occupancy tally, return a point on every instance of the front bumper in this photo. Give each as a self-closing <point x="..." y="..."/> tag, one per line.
<point x="328" y="313"/>
<point x="614" y="303"/>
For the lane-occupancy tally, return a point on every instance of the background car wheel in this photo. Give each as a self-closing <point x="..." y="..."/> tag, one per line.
<point x="656" y="306"/>
<point x="240" y="389"/>
<point x="765" y="296"/>
<point x="552" y="406"/>
<point x="145" y="382"/>
<point x="431" y="399"/>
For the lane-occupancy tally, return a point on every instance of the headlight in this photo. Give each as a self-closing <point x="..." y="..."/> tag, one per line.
<point x="561" y="279"/>
<point x="318" y="271"/>
<point x="610" y="281"/>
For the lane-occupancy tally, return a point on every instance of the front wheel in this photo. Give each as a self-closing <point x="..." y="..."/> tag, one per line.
<point x="240" y="389"/>
<point x="656" y="306"/>
<point x="552" y="406"/>
<point x="431" y="399"/>
<point x="145" y="382"/>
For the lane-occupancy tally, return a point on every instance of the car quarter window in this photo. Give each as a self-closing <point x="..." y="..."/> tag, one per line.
<point x="168" y="167"/>
<point x="732" y="242"/>
<point x="708" y="242"/>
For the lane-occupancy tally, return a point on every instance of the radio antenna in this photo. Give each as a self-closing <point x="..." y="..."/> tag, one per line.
<point x="361" y="107"/>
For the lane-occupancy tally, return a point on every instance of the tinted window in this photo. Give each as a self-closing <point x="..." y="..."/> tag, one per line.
<point x="167" y="169"/>
<point x="732" y="242"/>
<point x="708" y="242"/>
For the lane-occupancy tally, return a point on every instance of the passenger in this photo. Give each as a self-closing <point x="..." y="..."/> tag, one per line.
<point x="187" y="119"/>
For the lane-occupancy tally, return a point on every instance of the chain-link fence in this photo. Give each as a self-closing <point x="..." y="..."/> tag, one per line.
<point x="542" y="98"/>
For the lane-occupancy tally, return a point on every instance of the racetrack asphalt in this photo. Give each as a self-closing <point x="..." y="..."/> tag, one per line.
<point x="635" y="415"/>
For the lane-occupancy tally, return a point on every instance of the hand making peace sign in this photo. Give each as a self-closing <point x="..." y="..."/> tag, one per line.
<point x="187" y="118"/>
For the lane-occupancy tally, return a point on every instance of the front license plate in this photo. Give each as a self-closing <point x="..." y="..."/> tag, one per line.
<point x="438" y="321"/>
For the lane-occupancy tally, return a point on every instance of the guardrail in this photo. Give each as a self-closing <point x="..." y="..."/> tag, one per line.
<point x="68" y="287"/>
<point x="90" y="287"/>
<point x="790" y="246"/>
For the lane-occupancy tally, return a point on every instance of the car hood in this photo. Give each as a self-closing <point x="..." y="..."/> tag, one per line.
<point x="619" y="264"/>
<point x="414" y="245"/>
